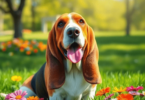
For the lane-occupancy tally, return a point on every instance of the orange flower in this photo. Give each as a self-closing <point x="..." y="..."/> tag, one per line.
<point x="31" y="47"/>
<point x="33" y="42"/>
<point x="4" y="49"/>
<point x="125" y="97"/>
<point x="33" y="98"/>
<point x="21" y="49"/>
<point x="26" y="41"/>
<point x="35" y="50"/>
<point x="24" y="45"/>
<point x="28" y="52"/>
<point x="40" y="43"/>
<point x="103" y="91"/>
<point x="27" y="31"/>
<point x="42" y="47"/>
<point x="9" y="42"/>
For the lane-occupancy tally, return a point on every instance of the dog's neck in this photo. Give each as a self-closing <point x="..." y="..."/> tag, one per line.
<point x="68" y="65"/>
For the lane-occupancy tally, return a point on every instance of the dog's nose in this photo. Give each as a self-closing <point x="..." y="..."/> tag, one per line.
<point x="73" y="32"/>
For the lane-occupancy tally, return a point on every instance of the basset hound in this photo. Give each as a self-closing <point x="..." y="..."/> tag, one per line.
<point x="71" y="70"/>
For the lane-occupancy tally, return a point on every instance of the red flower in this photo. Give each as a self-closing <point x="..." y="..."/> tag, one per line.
<point x="21" y="49"/>
<point x="125" y="97"/>
<point x="35" y="50"/>
<point x="103" y="91"/>
<point x="4" y="49"/>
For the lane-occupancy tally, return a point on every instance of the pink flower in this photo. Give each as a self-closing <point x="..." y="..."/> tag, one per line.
<point x="17" y="95"/>
<point x="134" y="93"/>
<point x="134" y="88"/>
<point x="7" y="96"/>
<point x="109" y="97"/>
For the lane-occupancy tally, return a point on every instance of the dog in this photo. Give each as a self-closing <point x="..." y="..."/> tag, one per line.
<point x="71" y="70"/>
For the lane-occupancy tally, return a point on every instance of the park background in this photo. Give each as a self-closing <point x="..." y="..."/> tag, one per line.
<point x="119" y="27"/>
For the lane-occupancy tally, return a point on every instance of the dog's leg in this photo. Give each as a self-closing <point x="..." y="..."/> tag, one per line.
<point x="90" y="95"/>
<point x="55" y="96"/>
<point x="29" y="91"/>
<point x="73" y="98"/>
<point x="27" y="87"/>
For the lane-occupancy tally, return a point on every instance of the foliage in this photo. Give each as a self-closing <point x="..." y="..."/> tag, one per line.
<point x="100" y="14"/>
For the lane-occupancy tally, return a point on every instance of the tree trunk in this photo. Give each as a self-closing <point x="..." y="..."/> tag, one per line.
<point x="33" y="17"/>
<point x="128" y="18"/>
<point x="17" y="27"/>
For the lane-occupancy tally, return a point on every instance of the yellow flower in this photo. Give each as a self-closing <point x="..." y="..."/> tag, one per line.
<point x="16" y="78"/>
<point x="33" y="98"/>
<point x="11" y="53"/>
<point x="119" y="90"/>
<point x="143" y="92"/>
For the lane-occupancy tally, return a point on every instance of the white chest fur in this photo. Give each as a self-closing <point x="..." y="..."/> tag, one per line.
<point x="75" y="83"/>
<point x="75" y="86"/>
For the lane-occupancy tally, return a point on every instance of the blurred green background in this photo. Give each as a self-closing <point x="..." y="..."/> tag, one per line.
<point x="119" y="27"/>
<point x="102" y="15"/>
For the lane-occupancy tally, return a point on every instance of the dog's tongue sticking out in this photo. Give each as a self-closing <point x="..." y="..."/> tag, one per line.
<point x="74" y="54"/>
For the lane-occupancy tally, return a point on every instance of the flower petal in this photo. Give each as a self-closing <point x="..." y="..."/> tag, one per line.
<point x="139" y="88"/>
<point x="134" y="93"/>
<point x="24" y="93"/>
<point x="23" y="98"/>
<point x="12" y="99"/>
<point x="19" y="92"/>
<point x="7" y="96"/>
<point x="12" y="95"/>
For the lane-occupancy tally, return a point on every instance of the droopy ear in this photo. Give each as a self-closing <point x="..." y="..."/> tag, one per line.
<point x="90" y="59"/>
<point x="56" y="72"/>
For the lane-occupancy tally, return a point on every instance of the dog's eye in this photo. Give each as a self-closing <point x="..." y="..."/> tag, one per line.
<point x="81" y="21"/>
<point x="61" y="24"/>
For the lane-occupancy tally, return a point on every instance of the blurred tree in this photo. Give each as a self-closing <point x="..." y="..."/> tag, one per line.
<point x="16" y="15"/>
<point x="138" y="15"/>
<point x="128" y="18"/>
<point x="132" y="11"/>
<point x="34" y="4"/>
<point x="103" y="15"/>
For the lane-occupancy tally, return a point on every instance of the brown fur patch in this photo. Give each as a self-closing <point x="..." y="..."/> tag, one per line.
<point x="50" y="91"/>
<point x="93" y="85"/>
<point x="27" y="82"/>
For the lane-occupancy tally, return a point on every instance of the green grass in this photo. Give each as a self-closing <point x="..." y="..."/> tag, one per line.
<point x="121" y="61"/>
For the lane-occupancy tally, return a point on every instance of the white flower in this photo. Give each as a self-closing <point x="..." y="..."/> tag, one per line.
<point x="11" y="53"/>
<point x="114" y="99"/>
<point x="143" y="92"/>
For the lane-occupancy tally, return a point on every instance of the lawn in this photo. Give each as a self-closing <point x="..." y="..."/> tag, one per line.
<point x="121" y="61"/>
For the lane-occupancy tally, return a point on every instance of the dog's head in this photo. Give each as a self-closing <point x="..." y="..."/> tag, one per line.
<point x="71" y="38"/>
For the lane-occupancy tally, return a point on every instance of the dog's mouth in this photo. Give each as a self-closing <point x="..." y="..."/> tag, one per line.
<point x="74" y="52"/>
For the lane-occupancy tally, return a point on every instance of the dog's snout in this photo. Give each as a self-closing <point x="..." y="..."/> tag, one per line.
<point x="73" y="32"/>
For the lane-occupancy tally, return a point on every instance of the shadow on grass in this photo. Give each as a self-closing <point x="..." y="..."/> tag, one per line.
<point x="121" y="40"/>
<point x="121" y="60"/>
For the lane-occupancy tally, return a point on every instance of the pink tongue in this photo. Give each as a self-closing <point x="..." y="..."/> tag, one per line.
<point x="74" y="55"/>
